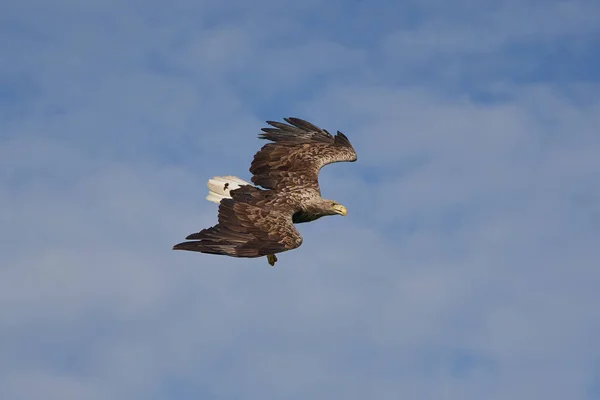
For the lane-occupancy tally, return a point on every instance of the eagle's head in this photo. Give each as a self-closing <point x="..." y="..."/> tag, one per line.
<point x="337" y="208"/>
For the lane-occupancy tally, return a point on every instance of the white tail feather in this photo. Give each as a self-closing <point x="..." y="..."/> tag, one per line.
<point x="220" y="186"/>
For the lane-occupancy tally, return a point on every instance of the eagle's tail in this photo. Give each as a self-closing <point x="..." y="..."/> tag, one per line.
<point x="220" y="186"/>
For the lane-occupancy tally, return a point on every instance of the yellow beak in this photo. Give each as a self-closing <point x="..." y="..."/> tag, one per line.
<point x="340" y="209"/>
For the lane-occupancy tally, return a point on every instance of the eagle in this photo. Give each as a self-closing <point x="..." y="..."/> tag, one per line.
<point x="258" y="221"/>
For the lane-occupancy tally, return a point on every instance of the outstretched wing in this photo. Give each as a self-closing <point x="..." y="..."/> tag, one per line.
<point x="248" y="227"/>
<point x="299" y="151"/>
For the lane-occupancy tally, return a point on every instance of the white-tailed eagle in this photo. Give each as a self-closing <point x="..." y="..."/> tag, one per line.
<point x="255" y="222"/>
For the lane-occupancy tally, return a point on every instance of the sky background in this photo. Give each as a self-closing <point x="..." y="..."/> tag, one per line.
<point x="467" y="268"/>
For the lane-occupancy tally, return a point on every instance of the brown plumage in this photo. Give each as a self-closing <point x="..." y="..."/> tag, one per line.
<point x="254" y="222"/>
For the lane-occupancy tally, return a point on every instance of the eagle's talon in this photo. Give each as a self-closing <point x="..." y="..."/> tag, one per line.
<point x="272" y="259"/>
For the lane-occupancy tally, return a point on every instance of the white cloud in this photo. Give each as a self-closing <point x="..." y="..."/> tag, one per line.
<point x="464" y="269"/>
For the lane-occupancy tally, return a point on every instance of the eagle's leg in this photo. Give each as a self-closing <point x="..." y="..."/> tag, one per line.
<point x="272" y="259"/>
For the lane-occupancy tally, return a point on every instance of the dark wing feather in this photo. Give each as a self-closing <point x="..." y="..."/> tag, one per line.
<point x="248" y="226"/>
<point x="299" y="150"/>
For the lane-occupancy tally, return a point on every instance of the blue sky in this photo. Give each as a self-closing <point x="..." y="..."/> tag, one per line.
<point x="468" y="264"/>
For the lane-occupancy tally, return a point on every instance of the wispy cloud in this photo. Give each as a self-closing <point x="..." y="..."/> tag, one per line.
<point x="466" y="267"/>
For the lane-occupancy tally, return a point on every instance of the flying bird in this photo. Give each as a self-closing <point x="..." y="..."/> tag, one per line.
<point x="259" y="221"/>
